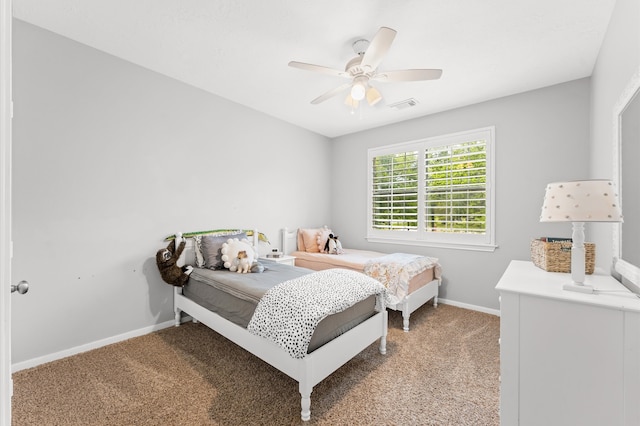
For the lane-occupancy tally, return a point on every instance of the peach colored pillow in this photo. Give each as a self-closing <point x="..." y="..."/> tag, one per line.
<point x="300" y="241"/>
<point x="310" y="239"/>
<point x="321" y="239"/>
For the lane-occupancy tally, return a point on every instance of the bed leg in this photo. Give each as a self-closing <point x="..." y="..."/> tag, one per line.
<point x="177" y="292"/>
<point x="435" y="301"/>
<point x="383" y="345"/>
<point x="405" y="324"/>
<point x="177" y="317"/>
<point x="305" y="403"/>
<point x="405" y="317"/>
<point x="383" y="338"/>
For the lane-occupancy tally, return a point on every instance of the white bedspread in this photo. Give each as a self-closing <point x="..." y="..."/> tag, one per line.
<point x="288" y="313"/>
<point x="396" y="270"/>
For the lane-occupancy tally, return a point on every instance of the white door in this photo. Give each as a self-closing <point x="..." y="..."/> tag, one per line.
<point x="5" y="213"/>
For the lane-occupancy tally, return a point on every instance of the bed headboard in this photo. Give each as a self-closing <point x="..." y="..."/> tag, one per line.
<point x="188" y="256"/>
<point x="289" y="240"/>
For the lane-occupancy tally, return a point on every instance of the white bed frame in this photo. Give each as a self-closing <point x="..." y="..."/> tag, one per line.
<point x="308" y="371"/>
<point x="410" y="303"/>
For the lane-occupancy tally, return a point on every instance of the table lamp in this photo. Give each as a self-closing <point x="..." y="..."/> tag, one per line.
<point x="579" y="202"/>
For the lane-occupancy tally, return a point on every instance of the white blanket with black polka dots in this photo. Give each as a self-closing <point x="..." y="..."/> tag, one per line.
<point x="288" y="313"/>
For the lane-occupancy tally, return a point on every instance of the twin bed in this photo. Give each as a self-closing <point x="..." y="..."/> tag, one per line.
<point x="413" y="280"/>
<point x="236" y="306"/>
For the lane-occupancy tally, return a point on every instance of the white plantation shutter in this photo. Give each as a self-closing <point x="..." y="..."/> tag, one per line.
<point x="456" y="188"/>
<point x="436" y="191"/>
<point x="395" y="191"/>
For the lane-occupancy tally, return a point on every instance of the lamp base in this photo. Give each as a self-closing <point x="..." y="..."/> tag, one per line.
<point x="580" y="288"/>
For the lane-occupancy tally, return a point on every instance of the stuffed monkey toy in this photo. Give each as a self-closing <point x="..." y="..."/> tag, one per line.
<point x="167" y="259"/>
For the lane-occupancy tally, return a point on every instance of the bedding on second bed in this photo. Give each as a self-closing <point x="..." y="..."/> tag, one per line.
<point x="401" y="273"/>
<point x="396" y="270"/>
<point x="350" y="259"/>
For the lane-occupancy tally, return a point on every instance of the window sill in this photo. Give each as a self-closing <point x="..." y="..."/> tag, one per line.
<point x="453" y="246"/>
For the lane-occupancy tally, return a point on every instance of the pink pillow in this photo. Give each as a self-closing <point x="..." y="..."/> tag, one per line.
<point x="310" y="239"/>
<point x="322" y="238"/>
<point x="300" y="241"/>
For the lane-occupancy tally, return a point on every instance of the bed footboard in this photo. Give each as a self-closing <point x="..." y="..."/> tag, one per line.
<point x="307" y="371"/>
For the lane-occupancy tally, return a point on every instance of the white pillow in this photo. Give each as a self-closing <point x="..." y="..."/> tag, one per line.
<point x="230" y="251"/>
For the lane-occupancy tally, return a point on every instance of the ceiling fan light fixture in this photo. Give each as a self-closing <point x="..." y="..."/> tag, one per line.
<point x="358" y="92"/>
<point x="373" y="96"/>
<point x="359" y="88"/>
<point x="349" y="101"/>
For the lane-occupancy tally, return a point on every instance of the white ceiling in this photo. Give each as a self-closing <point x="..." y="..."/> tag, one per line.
<point x="239" y="49"/>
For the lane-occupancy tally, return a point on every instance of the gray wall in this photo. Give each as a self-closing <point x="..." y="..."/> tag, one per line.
<point x="541" y="136"/>
<point x="618" y="60"/>
<point x="108" y="159"/>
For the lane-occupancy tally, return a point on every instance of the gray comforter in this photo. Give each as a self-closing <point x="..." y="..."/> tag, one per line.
<point x="250" y="287"/>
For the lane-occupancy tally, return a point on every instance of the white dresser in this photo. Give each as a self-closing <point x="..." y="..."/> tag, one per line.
<point x="567" y="358"/>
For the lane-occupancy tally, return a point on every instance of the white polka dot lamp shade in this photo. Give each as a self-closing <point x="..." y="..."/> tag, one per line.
<point x="581" y="201"/>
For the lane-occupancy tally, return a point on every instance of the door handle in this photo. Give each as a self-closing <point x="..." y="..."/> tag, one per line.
<point x="21" y="288"/>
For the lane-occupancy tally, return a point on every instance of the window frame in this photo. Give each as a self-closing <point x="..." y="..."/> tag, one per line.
<point x="464" y="241"/>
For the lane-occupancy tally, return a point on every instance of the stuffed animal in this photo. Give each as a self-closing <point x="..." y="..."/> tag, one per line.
<point x="243" y="262"/>
<point x="333" y="245"/>
<point x="230" y="251"/>
<point x="167" y="259"/>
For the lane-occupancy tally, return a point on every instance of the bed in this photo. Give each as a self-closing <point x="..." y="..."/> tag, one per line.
<point x="336" y="339"/>
<point x="412" y="280"/>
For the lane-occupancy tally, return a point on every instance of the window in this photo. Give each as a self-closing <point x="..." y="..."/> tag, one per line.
<point x="436" y="191"/>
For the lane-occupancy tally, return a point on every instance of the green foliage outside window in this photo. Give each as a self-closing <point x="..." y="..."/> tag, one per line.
<point x="455" y="189"/>
<point x="395" y="191"/>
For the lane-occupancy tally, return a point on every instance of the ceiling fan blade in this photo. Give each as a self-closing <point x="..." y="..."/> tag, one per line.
<point x="378" y="48"/>
<point x="318" y="68"/>
<point x="409" y="75"/>
<point x="331" y="93"/>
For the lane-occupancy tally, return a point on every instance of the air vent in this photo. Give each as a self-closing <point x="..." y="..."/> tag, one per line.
<point x="407" y="103"/>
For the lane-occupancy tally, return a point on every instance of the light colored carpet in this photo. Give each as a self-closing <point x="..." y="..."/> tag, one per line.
<point x="443" y="372"/>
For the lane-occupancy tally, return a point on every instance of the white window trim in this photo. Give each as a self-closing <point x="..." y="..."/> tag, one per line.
<point x="484" y="242"/>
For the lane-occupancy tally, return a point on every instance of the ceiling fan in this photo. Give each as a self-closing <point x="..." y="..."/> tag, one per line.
<point x="364" y="68"/>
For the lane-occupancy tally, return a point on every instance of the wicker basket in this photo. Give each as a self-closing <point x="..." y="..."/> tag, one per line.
<point x="556" y="256"/>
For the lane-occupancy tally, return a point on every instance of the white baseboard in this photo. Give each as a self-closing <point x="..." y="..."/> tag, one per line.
<point x="495" y="312"/>
<point x="89" y="346"/>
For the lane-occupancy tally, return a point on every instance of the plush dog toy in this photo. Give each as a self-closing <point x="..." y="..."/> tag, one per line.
<point x="167" y="259"/>
<point x="243" y="262"/>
